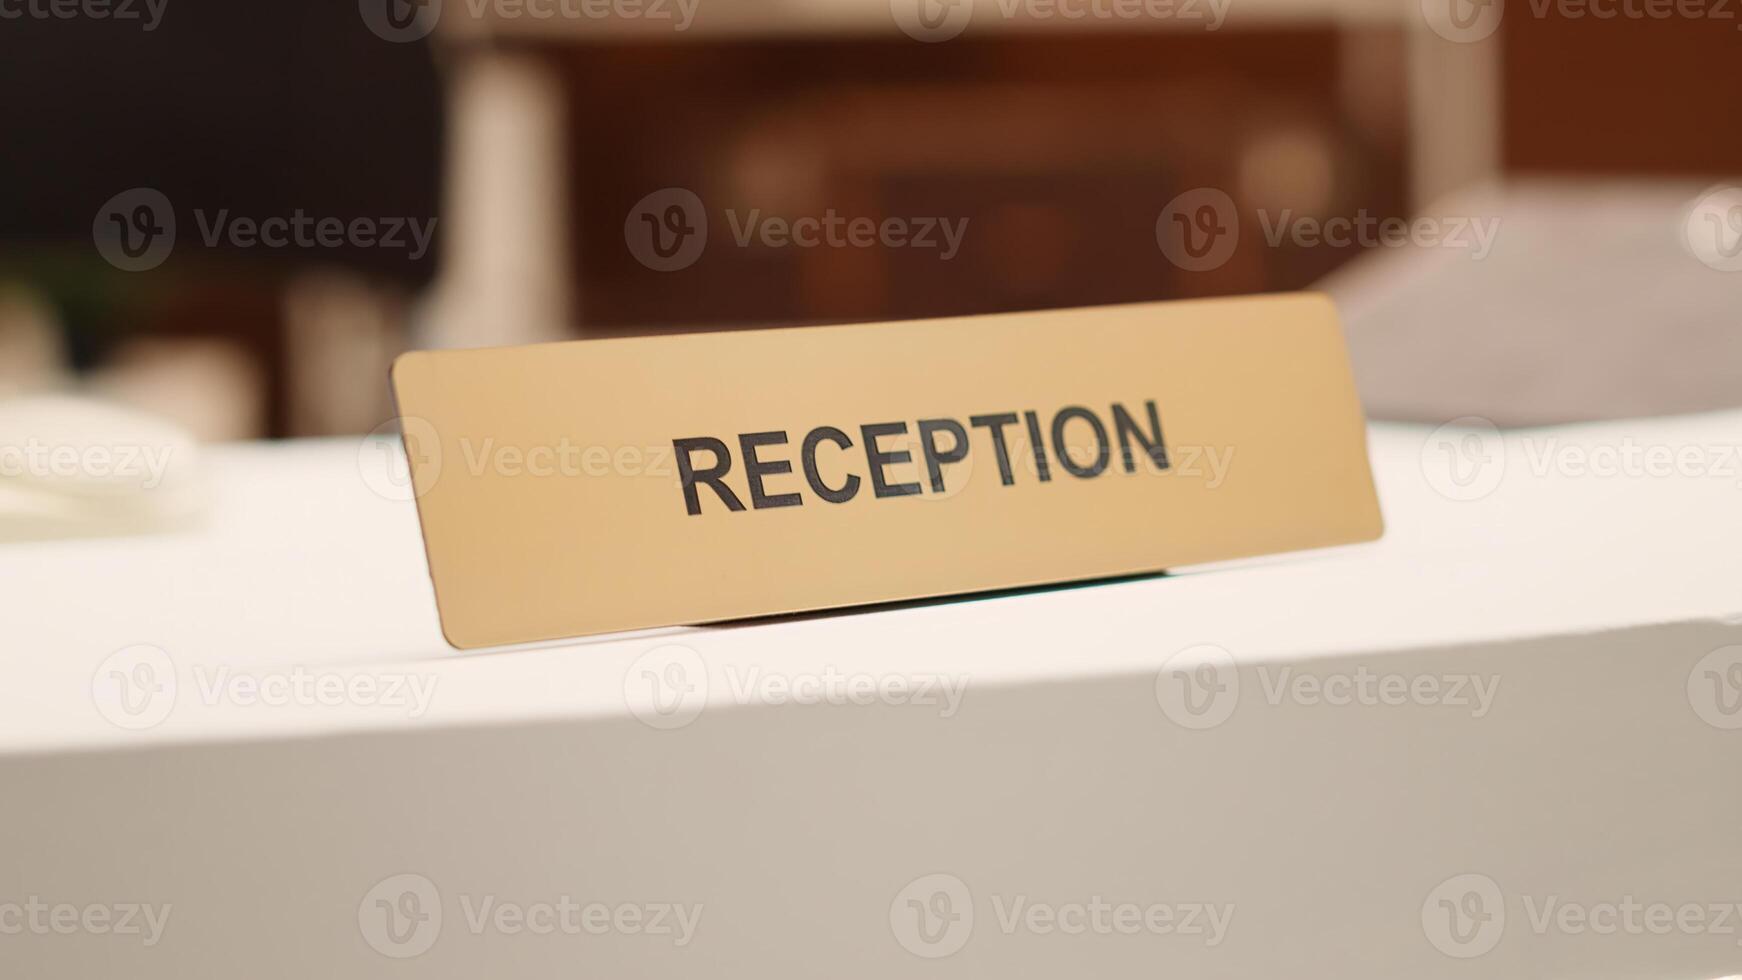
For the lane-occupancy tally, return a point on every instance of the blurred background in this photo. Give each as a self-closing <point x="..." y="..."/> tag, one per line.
<point x="232" y="218"/>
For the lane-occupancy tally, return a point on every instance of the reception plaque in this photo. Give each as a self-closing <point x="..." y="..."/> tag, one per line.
<point x="584" y="487"/>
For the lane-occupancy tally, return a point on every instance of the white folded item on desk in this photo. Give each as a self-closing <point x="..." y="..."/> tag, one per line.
<point x="75" y="467"/>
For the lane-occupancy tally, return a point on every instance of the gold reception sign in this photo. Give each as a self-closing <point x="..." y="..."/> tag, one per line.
<point x="602" y="485"/>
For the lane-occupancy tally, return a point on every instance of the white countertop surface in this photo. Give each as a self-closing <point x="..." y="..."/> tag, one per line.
<point x="1574" y="640"/>
<point x="300" y="563"/>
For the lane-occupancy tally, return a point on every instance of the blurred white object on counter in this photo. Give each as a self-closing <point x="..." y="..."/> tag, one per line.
<point x="74" y="467"/>
<point x="1591" y="300"/>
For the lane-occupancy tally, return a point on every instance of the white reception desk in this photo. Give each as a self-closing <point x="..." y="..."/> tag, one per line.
<point x="1504" y="741"/>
